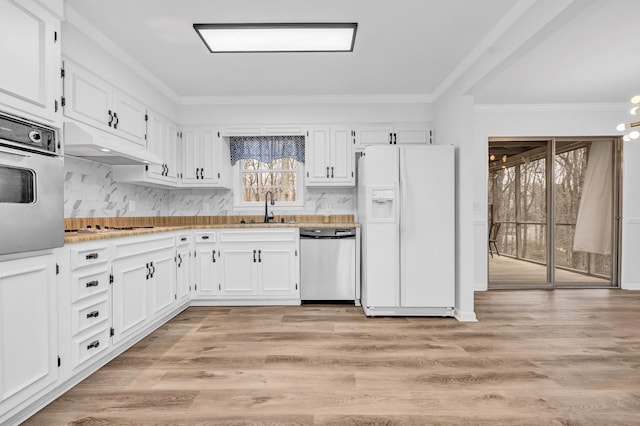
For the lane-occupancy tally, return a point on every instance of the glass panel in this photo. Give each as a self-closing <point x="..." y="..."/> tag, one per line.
<point x="518" y="203"/>
<point x="281" y="184"/>
<point x="532" y="211"/>
<point x="17" y="185"/>
<point x="580" y="256"/>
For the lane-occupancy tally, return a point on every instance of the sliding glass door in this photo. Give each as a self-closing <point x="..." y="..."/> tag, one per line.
<point x="553" y="235"/>
<point x="584" y="209"/>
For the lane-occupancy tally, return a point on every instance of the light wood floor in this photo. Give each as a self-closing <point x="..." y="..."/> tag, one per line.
<point x="507" y="270"/>
<point x="563" y="357"/>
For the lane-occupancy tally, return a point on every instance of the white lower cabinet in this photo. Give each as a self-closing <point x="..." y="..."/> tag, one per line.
<point x="207" y="260"/>
<point x="278" y="271"/>
<point x="28" y="329"/>
<point x="56" y="329"/>
<point x="144" y="282"/>
<point x="239" y="272"/>
<point x="183" y="267"/>
<point x="260" y="264"/>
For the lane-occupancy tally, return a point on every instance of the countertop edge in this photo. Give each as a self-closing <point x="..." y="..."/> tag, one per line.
<point x="74" y="237"/>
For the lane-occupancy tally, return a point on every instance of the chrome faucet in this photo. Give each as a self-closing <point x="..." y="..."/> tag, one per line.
<point x="267" y="216"/>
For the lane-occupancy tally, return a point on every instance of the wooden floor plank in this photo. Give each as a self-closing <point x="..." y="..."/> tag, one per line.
<point x="563" y="357"/>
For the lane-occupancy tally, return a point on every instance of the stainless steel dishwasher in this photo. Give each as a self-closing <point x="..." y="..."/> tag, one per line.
<point x="328" y="264"/>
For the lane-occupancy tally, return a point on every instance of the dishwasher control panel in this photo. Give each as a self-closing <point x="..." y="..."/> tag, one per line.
<point x="320" y="233"/>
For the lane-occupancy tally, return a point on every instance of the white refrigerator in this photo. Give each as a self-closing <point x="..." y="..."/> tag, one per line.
<point x="406" y="208"/>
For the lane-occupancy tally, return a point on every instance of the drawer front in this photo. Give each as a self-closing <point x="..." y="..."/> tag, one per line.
<point x="134" y="246"/>
<point x="259" y="235"/>
<point x="183" y="239"/>
<point x="87" y="316"/>
<point x="86" y="348"/>
<point x="86" y="256"/>
<point x="206" y="237"/>
<point x="89" y="283"/>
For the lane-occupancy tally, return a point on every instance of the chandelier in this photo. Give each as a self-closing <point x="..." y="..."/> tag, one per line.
<point x="622" y="127"/>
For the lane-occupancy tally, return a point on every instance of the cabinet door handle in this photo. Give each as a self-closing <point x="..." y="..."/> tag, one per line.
<point x="395" y="138"/>
<point x="331" y="171"/>
<point x="254" y="256"/>
<point x="202" y="173"/>
<point x="110" y="118"/>
<point x="327" y="171"/>
<point x="213" y="256"/>
<point x="93" y="314"/>
<point x="91" y="256"/>
<point x="153" y="269"/>
<point x="117" y="120"/>
<point x="183" y="239"/>
<point x="198" y="173"/>
<point x="93" y="283"/>
<point x="94" y="344"/>
<point x="205" y="237"/>
<point x="390" y="138"/>
<point x="148" y="271"/>
<point x="180" y="259"/>
<point x="259" y="255"/>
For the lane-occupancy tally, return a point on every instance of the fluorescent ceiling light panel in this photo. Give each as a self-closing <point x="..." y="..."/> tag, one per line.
<point x="236" y="38"/>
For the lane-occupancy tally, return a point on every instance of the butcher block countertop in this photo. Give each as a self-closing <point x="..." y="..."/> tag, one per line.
<point x="152" y="224"/>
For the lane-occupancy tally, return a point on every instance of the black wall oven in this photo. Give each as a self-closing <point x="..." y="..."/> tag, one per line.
<point x="31" y="186"/>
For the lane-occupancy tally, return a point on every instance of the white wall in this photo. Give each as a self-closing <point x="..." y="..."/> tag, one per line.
<point x="454" y="126"/>
<point x="557" y="120"/>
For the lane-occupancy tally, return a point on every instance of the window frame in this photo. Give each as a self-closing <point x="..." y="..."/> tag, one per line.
<point x="239" y="204"/>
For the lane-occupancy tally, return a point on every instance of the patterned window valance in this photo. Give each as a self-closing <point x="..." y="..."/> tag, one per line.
<point x="266" y="148"/>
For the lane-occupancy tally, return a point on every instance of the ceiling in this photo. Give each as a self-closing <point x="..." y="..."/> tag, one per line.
<point x="402" y="48"/>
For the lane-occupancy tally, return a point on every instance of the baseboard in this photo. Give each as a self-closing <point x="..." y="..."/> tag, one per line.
<point x="465" y="316"/>
<point x="631" y="286"/>
<point x="242" y="302"/>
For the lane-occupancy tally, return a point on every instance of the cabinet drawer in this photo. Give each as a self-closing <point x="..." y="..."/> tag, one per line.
<point x="86" y="316"/>
<point x="206" y="237"/>
<point x="89" y="283"/>
<point x="259" y="235"/>
<point x="183" y="239"/>
<point x="129" y="247"/>
<point x="86" y="348"/>
<point x="85" y="256"/>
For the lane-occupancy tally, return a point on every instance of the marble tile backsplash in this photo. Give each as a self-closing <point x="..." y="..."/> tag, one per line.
<point x="91" y="192"/>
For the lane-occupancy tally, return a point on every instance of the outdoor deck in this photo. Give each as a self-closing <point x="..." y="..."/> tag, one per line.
<point x="507" y="270"/>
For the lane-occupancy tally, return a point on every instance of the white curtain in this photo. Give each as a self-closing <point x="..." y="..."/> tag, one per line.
<point x="593" y="225"/>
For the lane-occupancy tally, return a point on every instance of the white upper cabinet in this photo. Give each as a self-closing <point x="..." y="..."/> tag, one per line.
<point x="163" y="141"/>
<point x="205" y="158"/>
<point x="30" y="61"/>
<point x="93" y="101"/>
<point x="130" y="118"/>
<point x="391" y="134"/>
<point x="329" y="156"/>
<point x="412" y="134"/>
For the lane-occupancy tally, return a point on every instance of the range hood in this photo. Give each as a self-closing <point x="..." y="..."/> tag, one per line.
<point x="94" y="144"/>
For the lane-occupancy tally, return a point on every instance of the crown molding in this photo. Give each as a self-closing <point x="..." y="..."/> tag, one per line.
<point x="306" y="99"/>
<point x="610" y="106"/>
<point x="75" y="19"/>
